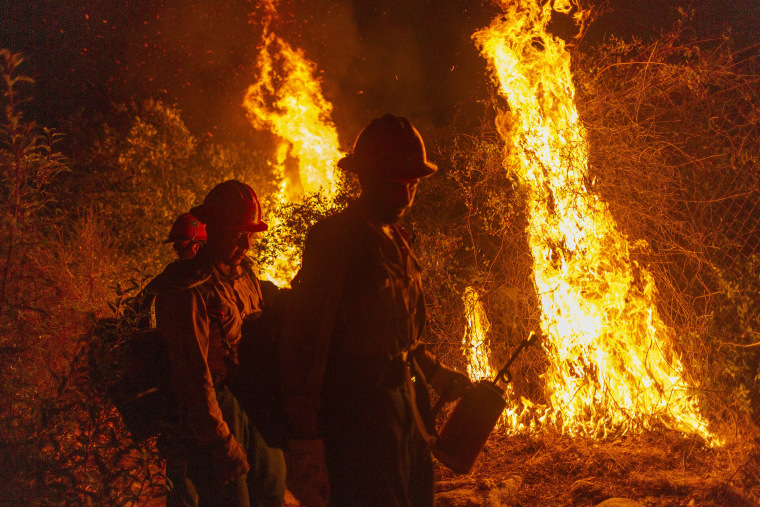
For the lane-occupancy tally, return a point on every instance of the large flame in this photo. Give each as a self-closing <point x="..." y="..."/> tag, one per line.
<point x="612" y="367"/>
<point x="287" y="101"/>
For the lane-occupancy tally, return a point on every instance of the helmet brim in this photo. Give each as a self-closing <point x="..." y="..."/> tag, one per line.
<point x="423" y="169"/>
<point x="200" y="213"/>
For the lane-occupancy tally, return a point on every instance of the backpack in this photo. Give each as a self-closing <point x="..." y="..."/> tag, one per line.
<point x="142" y="391"/>
<point x="142" y="394"/>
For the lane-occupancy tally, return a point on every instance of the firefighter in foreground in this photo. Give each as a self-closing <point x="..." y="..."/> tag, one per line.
<point x="352" y="346"/>
<point x="200" y="311"/>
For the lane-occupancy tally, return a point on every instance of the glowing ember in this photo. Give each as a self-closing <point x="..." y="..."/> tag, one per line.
<point x="611" y="364"/>
<point x="287" y="100"/>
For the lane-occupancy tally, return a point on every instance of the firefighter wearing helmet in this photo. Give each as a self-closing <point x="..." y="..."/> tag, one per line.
<point x="187" y="235"/>
<point x="200" y="311"/>
<point x="353" y="344"/>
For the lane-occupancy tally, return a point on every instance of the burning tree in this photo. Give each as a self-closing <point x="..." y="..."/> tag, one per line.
<point x="650" y="151"/>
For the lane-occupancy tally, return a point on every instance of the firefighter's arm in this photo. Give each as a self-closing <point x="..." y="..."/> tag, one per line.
<point x="181" y="316"/>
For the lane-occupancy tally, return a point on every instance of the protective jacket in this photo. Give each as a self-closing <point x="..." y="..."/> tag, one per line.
<point x="200" y="311"/>
<point x="357" y="319"/>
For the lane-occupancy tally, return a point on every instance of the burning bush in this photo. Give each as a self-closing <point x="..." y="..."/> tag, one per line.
<point x="673" y="126"/>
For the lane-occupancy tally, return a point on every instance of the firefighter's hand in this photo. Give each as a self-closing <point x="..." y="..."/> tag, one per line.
<point x="449" y="384"/>
<point x="229" y="460"/>
<point x="307" y="477"/>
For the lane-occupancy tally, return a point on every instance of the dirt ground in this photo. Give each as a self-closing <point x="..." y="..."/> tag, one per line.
<point x="656" y="469"/>
<point x="660" y="468"/>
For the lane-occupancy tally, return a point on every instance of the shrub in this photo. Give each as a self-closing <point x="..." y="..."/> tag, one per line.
<point x="144" y="168"/>
<point x="673" y="126"/>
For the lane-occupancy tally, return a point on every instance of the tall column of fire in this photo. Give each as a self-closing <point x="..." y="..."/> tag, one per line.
<point x="287" y="101"/>
<point x="612" y="367"/>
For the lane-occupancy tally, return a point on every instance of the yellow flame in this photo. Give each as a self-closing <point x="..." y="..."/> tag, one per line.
<point x="287" y="100"/>
<point x="476" y="347"/>
<point x="611" y="364"/>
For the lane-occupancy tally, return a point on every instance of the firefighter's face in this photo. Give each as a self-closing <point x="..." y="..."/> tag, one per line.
<point x="389" y="200"/>
<point x="186" y="249"/>
<point x="231" y="245"/>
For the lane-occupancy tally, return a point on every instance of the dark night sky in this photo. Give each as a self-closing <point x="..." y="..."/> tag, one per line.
<point x="412" y="57"/>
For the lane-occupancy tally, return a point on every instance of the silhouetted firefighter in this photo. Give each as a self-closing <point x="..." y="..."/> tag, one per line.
<point x="142" y="393"/>
<point x="200" y="311"/>
<point x="187" y="236"/>
<point x="352" y="345"/>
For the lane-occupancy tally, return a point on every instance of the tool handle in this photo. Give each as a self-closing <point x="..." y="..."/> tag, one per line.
<point x="504" y="375"/>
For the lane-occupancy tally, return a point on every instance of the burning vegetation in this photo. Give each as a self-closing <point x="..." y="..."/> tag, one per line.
<point x="287" y="101"/>
<point x="611" y="203"/>
<point x="612" y="366"/>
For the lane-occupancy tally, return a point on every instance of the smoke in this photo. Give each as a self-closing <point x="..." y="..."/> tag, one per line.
<point x="409" y="57"/>
<point x="412" y="58"/>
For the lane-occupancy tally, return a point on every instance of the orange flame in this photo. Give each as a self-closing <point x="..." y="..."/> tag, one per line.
<point x="612" y="367"/>
<point x="287" y="100"/>
<point x="475" y="342"/>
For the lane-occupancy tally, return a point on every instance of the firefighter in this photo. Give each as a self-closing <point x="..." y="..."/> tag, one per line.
<point x="187" y="236"/>
<point x="200" y="311"/>
<point x="353" y="344"/>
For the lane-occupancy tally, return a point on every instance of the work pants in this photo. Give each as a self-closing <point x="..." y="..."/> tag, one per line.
<point x="375" y="455"/>
<point x="263" y="486"/>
